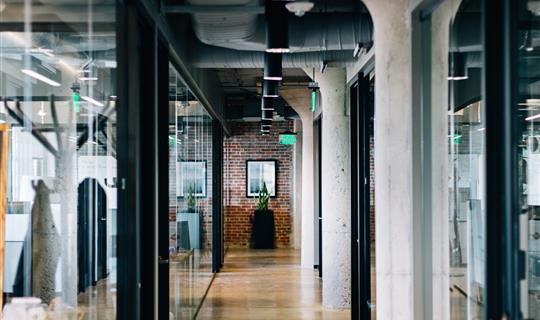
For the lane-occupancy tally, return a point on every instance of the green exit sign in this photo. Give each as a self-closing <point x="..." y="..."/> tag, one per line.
<point x="287" y="139"/>
<point x="76" y="102"/>
<point x="313" y="101"/>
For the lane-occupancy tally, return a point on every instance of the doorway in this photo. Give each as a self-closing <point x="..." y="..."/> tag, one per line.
<point x="91" y="233"/>
<point x="317" y="149"/>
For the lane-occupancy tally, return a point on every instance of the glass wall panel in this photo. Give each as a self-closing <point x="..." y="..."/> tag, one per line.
<point x="466" y="165"/>
<point x="58" y="133"/>
<point x="527" y="115"/>
<point x="190" y="177"/>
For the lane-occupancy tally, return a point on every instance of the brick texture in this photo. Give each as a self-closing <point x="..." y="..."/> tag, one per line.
<point x="247" y="143"/>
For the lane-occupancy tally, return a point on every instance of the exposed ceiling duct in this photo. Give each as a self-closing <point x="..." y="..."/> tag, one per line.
<point x="205" y="57"/>
<point x="313" y="32"/>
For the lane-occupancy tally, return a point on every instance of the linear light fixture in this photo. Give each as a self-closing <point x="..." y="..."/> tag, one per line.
<point x="536" y="116"/>
<point x="88" y="78"/>
<point x="530" y="102"/>
<point x="267" y="114"/>
<point x="271" y="88"/>
<point x="272" y="66"/>
<point x="92" y="101"/>
<point x="267" y="103"/>
<point x="277" y="27"/>
<point x="458" y="68"/>
<point x="40" y="77"/>
<point x="47" y="52"/>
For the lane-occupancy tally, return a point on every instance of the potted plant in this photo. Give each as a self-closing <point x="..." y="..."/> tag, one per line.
<point x="263" y="232"/>
<point x="191" y="218"/>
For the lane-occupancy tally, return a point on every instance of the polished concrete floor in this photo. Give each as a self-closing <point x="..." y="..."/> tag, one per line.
<point x="266" y="284"/>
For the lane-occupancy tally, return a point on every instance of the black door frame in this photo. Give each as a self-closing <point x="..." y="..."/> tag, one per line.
<point x="217" y="194"/>
<point x="145" y="47"/>
<point x="317" y="134"/>
<point x="163" y="177"/>
<point x="140" y="151"/>
<point x="505" y="262"/>
<point x="362" y="110"/>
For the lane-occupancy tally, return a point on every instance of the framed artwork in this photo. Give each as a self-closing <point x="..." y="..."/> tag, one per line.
<point x="259" y="172"/>
<point x="191" y="178"/>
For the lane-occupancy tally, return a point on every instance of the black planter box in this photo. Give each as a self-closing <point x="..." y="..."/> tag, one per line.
<point x="263" y="229"/>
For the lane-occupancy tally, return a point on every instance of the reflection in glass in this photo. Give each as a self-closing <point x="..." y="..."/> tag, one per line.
<point x="190" y="199"/>
<point x="527" y="114"/>
<point x="466" y="165"/>
<point x="57" y="88"/>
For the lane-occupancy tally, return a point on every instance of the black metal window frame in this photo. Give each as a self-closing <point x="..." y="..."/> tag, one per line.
<point x="361" y="116"/>
<point x="504" y="259"/>
<point x="144" y="50"/>
<point x="505" y="262"/>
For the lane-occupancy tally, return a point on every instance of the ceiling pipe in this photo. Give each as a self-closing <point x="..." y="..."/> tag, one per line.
<point x="312" y="32"/>
<point x="206" y="57"/>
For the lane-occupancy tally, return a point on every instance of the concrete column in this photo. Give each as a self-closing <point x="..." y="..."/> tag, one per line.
<point x="439" y="153"/>
<point x="336" y="190"/>
<point x="297" y="187"/>
<point x="300" y="101"/>
<point x="308" y="199"/>
<point x="393" y="160"/>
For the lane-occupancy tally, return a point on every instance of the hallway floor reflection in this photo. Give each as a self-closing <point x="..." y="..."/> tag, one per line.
<point x="266" y="284"/>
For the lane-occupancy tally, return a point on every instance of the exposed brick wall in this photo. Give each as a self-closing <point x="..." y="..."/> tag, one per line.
<point x="247" y="143"/>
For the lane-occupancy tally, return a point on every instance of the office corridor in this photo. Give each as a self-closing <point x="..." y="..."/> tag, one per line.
<point x="266" y="284"/>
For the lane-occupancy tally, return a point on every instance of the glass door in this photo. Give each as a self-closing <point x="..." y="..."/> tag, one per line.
<point x="527" y="116"/>
<point x="190" y="199"/>
<point x="466" y="145"/>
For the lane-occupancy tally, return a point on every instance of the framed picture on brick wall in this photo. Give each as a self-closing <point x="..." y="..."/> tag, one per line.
<point x="259" y="172"/>
<point x="191" y="178"/>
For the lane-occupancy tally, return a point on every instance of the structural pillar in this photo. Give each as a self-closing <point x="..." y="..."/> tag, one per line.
<point x="336" y="189"/>
<point x="394" y="215"/>
<point x="300" y="100"/>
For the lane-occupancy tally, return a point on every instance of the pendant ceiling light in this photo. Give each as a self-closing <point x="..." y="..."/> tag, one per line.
<point x="267" y="114"/>
<point x="271" y="88"/>
<point x="277" y="27"/>
<point x="458" y="68"/>
<point x="299" y="8"/>
<point x="272" y="66"/>
<point x="267" y="103"/>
